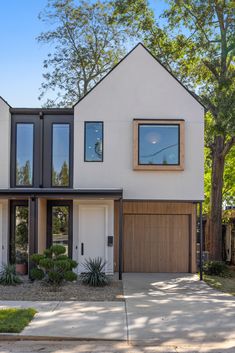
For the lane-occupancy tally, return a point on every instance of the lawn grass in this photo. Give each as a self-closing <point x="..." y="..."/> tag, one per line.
<point x="14" y="320"/>
<point x="224" y="284"/>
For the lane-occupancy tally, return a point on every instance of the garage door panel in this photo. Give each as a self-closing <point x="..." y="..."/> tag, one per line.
<point x="156" y="243"/>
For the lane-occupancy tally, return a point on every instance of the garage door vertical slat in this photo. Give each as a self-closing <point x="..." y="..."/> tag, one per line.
<point x="156" y="243"/>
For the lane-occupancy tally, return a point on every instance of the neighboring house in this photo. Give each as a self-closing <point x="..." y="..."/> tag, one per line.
<point x="118" y="176"/>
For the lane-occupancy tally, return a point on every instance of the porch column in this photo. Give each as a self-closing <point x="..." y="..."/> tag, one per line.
<point x="120" y="238"/>
<point x="33" y="227"/>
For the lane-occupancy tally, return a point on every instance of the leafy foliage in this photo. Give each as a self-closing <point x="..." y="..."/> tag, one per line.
<point x="8" y="276"/>
<point x="86" y="42"/>
<point x="53" y="266"/>
<point x="94" y="274"/>
<point x="216" y="268"/>
<point x="37" y="273"/>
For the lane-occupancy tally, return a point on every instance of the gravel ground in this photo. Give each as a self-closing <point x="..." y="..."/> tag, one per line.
<point x="69" y="291"/>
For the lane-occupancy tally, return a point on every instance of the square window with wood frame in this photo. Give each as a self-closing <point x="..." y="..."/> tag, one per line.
<point x="158" y="144"/>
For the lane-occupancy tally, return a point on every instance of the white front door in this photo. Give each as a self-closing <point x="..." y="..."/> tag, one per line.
<point x="92" y="233"/>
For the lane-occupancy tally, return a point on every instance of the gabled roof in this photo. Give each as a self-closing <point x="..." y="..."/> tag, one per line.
<point x="5" y="101"/>
<point x="170" y="73"/>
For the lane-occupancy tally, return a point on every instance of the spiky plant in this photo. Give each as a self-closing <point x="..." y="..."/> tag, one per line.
<point x="94" y="274"/>
<point x="8" y="276"/>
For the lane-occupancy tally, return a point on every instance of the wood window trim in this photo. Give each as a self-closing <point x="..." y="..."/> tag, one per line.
<point x="137" y="166"/>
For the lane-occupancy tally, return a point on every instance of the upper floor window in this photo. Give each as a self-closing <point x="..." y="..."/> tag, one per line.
<point x="60" y="155"/>
<point x="24" y="154"/>
<point x="93" y="149"/>
<point x="158" y="145"/>
<point x="42" y="150"/>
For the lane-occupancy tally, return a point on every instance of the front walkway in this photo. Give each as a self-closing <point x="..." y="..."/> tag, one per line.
<point x="177" y="309"/>
<point x="78" y="320"/>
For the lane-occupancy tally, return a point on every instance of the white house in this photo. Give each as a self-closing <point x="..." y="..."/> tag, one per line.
<point x="118" y="176"/>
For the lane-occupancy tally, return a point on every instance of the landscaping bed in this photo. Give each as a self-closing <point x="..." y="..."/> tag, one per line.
<point x="75" y="291"/>
<point x="14" y="320"/>
<point x="224" y="284"/>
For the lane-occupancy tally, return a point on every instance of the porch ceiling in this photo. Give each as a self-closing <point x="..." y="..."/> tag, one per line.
<point x="60" y="193"/>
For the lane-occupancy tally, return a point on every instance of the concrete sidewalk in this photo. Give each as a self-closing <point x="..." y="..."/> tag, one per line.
<point x="75" y="320"/>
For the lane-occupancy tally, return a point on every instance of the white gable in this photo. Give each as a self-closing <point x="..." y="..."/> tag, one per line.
<point x="150" y="79"/>
<point x="139" y="88"/>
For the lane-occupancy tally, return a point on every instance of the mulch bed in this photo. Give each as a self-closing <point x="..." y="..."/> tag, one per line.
<point x="75" y="291"/>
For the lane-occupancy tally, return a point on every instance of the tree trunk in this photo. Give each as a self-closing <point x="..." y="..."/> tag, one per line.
<point x="214" y="223"/>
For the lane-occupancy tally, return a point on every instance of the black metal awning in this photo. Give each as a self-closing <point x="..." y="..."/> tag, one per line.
<point x="64" y="193"/>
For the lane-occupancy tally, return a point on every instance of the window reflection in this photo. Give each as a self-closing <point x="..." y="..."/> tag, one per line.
<point x="21" y="235"/>
<point x="94" y="142"/>
<point x="159" y="144"/>
<point x="24" y="154"/>
<point x="60" y="226"/>
<point x="60" y="155"/>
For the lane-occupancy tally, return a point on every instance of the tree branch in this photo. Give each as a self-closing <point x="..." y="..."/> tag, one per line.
<point x="229" y="144"/>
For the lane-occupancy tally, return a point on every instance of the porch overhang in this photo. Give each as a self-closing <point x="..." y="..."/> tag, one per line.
<point x="61" y="193"/>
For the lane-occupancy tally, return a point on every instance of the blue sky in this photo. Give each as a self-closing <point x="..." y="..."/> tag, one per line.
<point x="21" y="56"/>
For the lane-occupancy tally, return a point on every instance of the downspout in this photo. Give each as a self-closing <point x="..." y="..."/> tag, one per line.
<point x="201" y="241"/>
<point x="120" y="252"/>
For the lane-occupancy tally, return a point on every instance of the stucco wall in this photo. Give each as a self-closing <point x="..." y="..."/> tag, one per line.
<point x="139" y="88"/>
<point x="5" y="134"/>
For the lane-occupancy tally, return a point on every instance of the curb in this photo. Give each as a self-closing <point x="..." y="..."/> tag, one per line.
<point x="18" y="337"/>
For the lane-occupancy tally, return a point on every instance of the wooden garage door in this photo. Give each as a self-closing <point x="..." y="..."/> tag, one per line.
<point x="156" y="243"/>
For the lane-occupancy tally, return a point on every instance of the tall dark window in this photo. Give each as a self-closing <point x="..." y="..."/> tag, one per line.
<point x="60" y="155"/>
<point x="93" y="149"/>
<point x="19" y="243"/>
<point x="42" y="149"/>
<point x="59" y="224"/>
<point x="24" y="154"/>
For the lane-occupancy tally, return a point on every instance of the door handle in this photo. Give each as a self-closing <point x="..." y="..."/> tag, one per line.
<point x="82" y="248"/>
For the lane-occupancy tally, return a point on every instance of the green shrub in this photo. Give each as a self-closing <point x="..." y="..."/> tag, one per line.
<point x="54" y="267"/>
<point x="37" y="274"/>
<point x="216" y="268"/>
<point x="36" y="258"/>
<point x="70" y="276"/>
<point x="94" y="274"/>
<point x="58" y="249"/>
<point x="8" y="276"/>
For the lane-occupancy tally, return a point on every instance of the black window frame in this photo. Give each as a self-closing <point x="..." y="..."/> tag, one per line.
<point x="159" y="124"/>
<point x="59" y="122"/>
<point x="12" y="226"/>
<point x="42" y="146"/>
<point x="49" y="121"/>
<point x="62" y="203"/>
<point x="94" y="122"/>
<point x="25" y="119"/>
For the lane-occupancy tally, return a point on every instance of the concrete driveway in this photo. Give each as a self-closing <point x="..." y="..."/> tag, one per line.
<point x="177" y="309"/>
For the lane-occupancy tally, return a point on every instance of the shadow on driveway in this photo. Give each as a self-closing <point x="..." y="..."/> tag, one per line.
<point x="177" y="309"/>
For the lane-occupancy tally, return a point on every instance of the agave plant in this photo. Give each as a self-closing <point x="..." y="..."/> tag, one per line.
<point x="8" y="276"/>
<point x="94" y="274"/>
